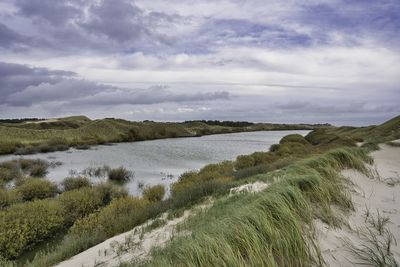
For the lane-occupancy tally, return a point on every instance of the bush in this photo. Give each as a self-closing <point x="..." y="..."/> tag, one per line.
<point x="155" y="193"/>
<point x="293" y="138"/>
<point x="38" y="168"/>
<point x="33" y="189"/>
<point x="23" y="225"/>
<point x="71" y="183"/>
<point x="9" y="173"/>
<point x="80" y="203"/>
<point x="110" y="192"/>
<point x="120" y="174"/>
<point x="244" y="161"/>
<point x="8" y="197"/>
<point x="274" y="148"/>
<point x="114" y="218"/>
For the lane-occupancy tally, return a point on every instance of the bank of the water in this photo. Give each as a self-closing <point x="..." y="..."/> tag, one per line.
<point x="160" y="161"/>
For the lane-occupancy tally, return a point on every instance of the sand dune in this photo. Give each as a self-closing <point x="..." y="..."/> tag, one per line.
<point x="372" y="196"/>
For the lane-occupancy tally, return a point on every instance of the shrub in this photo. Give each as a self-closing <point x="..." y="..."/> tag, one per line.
<point x="25" y="224"/>
<point x="155" y="193"/>
<point x="294" y="138"/>
<point x="9" y="172"/>
<point x="244" y="161"/>
<point x="33" y="189"/>
<point x="274" y="148"/>
<point x="110" y="192"/>
<point x="120" y="174"/>
<point x="80" y="203"/>
<point x="8" y="197"/>
<point x="114" y="218"/>
<point x="71" y="183"/>
<point x="38" y="168"/>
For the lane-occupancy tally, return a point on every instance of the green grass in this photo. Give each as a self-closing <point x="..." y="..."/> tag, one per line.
<point x="268" y="228"/>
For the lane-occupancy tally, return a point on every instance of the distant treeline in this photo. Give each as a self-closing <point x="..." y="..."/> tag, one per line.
<point x="20" y="120"/>
<point x="224" y="123"/>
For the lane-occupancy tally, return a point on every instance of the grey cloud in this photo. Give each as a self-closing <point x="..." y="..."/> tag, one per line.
<point x="25" y="86"/>
<point x="15" y="78"/>
<point x="9" y="38"/>
<point x="120" y="21"/>
<point x="152" y="95"/>
<point x="55" y="12"/>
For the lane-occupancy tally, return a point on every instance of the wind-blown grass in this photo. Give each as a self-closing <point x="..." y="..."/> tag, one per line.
<point x="268" y="229"/>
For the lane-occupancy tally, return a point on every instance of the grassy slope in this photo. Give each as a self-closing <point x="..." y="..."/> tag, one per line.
<point x="268" y="229"/>
<point x="79" y="130"/>
<point x="387" y="131"/>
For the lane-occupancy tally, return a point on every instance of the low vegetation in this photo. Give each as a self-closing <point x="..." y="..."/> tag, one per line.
<point x="72" y="183"/>
<point x="36" y="188"/>
<point x="272" y="228"/>
<point x="154" y="193"/>
<point x="40" y="136"/>
<point x="120" y="174"/>
<point x="18" y="169"/>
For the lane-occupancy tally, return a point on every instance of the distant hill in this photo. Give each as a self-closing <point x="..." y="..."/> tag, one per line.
<point x="44" y="135"/>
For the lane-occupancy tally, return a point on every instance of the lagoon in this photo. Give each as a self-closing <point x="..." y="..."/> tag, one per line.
<point x="159" y="161"/>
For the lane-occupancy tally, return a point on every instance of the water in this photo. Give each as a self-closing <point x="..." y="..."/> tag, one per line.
<point x="160" y="161"/>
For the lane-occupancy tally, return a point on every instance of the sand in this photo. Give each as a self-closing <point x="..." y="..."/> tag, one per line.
<point x="132" y="245"/>
<point x="379" y="193"/>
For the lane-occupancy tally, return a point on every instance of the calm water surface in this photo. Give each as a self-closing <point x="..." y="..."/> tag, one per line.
<point x="160" y="161"/>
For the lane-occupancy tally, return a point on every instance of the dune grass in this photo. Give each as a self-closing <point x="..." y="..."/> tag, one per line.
<point x="271" y="228"/>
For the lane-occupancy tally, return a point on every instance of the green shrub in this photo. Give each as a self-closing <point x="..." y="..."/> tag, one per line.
<point x="274" y="148"/>
<point x="38" y="168"/>
<point x="33" y="189"/>
<point x="120" y="174"/>
<point x="8" y="197"/>
<point x="244" y="161"/>
<point x="155" y="193"/>
<point x="114" y="218"/>
<point x="110" y="192"/>
<point x="25" y="224"/>
<point x="71" y="183"/>
<point x="293" y="138"/>
<point x="80" y="203"/>
<point x="9" y="172"/>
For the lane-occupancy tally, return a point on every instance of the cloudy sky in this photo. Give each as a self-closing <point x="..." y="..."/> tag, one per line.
<point x="334" y="61"/>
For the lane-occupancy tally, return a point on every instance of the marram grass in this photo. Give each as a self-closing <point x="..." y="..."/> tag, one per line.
<point x="271" y="228"/>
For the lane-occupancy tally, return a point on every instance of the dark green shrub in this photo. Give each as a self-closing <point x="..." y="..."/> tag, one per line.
<point x="155" y="193"/>
<point x="110" y="192"/>
<point x="80" y="203"/>
<point x="25" y="224"/>
<point x="33" y="189"/>
<point x="38" y="168"/>
<point x="71" y="183"/>
<point x="244" y="161"/>
<point x="293" y="138"/>
<point x="274" y="148"/>
<point x="114" y="218"/>
<point x="120" y="174"/>
<point x="8" y="197"/>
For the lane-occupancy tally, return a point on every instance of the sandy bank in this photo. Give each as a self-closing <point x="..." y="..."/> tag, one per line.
<point x="376" y="201"/>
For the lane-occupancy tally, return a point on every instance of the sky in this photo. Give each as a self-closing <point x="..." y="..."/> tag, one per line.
<point x="311" y="61"/>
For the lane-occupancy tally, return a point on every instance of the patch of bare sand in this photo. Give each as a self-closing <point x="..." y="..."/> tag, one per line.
<point x="134" y="245"/>
<point x="370" y="196"/>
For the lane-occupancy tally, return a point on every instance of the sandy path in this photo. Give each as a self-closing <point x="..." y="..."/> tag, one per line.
<point x="132" y="245"/>
<point x="382" y="193"/>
